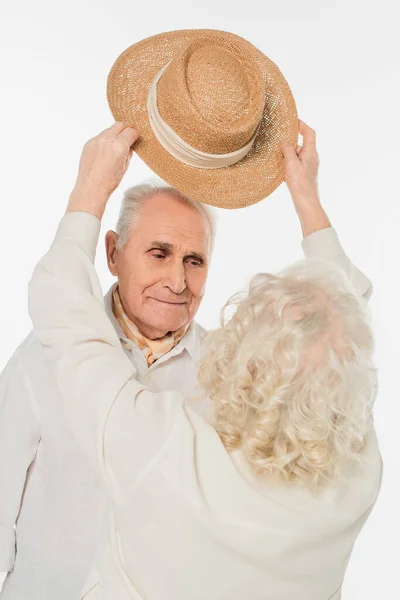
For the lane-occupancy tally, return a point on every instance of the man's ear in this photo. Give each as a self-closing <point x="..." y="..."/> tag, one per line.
<point x="112" y="252"/>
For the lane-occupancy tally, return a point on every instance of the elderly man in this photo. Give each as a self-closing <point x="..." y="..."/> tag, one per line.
<point x="160" y="255"/>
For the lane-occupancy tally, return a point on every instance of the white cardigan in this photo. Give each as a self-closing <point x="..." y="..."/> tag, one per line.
<point x="42" y="466"/>
<point x="186" y="523"/>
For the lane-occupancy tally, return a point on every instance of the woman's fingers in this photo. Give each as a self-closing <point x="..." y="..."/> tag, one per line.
<point x="130" y="135"/>
<point x="288" y="151"/>
<point x="309" y="135"/>
<point x="114" y="130"/>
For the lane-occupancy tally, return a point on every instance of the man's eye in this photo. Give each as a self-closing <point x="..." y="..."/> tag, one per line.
<point x="158" y="255"/>
<point x="195" y="263"/>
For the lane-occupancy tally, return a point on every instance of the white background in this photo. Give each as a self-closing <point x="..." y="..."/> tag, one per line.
<point x="341" y="60"/>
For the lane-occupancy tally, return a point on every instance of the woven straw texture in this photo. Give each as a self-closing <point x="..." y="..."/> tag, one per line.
<point x="213" y="94"/>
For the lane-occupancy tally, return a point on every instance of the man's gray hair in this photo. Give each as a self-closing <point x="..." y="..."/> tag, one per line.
<point x="134" y="198"/>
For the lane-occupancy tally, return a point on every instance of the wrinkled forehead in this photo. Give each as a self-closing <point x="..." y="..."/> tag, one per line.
<point x="169" y="220"/>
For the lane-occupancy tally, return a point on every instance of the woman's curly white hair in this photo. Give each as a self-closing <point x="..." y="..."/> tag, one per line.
<point x="290" y="374"/>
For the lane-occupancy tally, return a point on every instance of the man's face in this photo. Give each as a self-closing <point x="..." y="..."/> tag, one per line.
<point x="162" y="270"/>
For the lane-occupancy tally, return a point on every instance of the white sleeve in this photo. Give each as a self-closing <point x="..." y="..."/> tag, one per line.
<point x="19" y="438"/>
<point x="119" y="424"/>
<point x="3" y="575"/>
<point x="325" y="245"/>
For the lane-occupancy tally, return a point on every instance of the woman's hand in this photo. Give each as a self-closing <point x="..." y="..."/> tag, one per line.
<point x="301" y="167"/>
<point x="301" y="176"/>
<point x="104" y="161"/>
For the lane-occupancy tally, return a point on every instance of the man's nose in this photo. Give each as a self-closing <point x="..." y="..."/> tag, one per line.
<point x="175" y="277"/>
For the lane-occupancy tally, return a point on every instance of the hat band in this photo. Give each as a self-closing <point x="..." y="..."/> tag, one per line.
<point x="180" y="149"/>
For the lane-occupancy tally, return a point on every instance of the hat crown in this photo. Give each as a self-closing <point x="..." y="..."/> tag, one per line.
<point x="212" y="94"/>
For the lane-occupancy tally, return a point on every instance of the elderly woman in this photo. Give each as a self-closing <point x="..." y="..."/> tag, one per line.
<point x="266" y="498"/>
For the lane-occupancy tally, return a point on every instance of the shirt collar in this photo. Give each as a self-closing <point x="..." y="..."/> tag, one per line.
<point x="110" y="313"/>
<point x="191" y="341"/>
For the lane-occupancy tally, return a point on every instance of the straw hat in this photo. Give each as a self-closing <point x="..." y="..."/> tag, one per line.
<point x="211" y="110"/>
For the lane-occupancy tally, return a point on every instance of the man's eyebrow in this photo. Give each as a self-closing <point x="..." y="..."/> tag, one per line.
<point x="162" y="245"/>
<point x="167" y="247"/>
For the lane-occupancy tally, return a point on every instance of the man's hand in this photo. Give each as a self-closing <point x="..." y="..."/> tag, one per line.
<point x="301" y="176"/>
<point x="104" y="161"/>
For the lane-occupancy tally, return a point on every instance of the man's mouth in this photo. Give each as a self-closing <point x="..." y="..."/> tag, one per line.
<point x="169" y="302"/>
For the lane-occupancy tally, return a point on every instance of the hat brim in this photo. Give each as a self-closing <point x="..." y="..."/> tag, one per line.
<point x="252" y="179"/>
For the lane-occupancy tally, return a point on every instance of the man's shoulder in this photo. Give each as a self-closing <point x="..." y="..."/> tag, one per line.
<point x="21" y="351"/>
<point x="27" y="357"/>
<point x="28" y="348"/>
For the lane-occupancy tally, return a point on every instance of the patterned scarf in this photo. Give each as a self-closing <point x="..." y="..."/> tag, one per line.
<point x="151" y="349"/>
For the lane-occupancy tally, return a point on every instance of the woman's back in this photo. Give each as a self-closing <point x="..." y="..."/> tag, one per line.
<point x="203" y="527"/>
